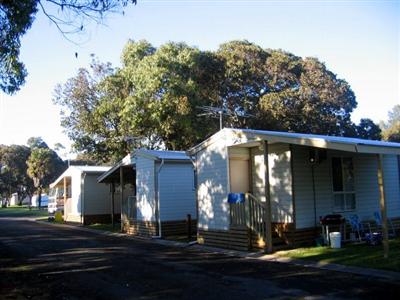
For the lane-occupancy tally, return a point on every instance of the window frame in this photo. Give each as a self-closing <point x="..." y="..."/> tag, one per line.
<point x="345" y="207"/>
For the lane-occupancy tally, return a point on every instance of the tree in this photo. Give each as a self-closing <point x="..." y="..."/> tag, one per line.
<point x="58" y="165"/>
<point x="13" y="177"/>
<point x="153" y="99"/>
<point x="16" y="17"/>
<point x="39" y="167"/>
<point x="36" y="142"/>
<point x="391" y="129"/>
<point x="367" y="129"/>
<point x="150" y="102"/>
<point x="283" y="91"/>
<point x="167" y="87"/>
<point x="91" y="116"/>
<point x="44" y="165"/>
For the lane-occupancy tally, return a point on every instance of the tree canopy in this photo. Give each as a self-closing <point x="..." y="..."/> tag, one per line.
<point x="14" y="160"/>
<point x="153" y="99"/>
<point x="40" y="167"/>
<point x="13" y="176"/>
<point x="16" y="17"/>
<point x="391" y="129"/>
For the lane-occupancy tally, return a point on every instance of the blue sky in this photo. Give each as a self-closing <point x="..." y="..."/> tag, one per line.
<point x="358" y="40"/>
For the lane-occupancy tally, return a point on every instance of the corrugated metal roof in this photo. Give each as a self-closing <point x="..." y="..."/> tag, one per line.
<point x="165" y="154"/>
<point x="151" y="154"/>
<point x="83" y="169"/>
<point x="236" y="136"/>
<point x="336" y="139"/>
<point x="92" y="168"/>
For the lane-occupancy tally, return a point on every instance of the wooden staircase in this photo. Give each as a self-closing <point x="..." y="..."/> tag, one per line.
<point x="251" y="214"/>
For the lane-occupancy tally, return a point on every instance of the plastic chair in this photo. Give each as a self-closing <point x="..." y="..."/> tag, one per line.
<point x="357" y="227"/>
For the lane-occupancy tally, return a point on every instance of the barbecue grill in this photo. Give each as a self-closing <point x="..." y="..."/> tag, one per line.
<point x="332" y="220"/>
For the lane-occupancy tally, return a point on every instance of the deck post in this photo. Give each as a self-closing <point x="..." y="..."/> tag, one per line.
<point x="65" y="198"/>
<point x="267" y="217"/>
<point x="121" y="183"/>
<point x="382" y="203"/>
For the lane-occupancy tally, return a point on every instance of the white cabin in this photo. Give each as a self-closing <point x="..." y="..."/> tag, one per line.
<point x="158" y="193"/>
<point x="303" y="177"/>
<point x="85" y="200"/>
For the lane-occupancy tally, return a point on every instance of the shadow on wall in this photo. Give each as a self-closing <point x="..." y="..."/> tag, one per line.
<point x="145" y="196"/>
<point x="212" y="189"/>
<point x="281" y="187"/>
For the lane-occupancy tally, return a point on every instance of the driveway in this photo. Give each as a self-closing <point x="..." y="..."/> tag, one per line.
<point x="39" y="261"/>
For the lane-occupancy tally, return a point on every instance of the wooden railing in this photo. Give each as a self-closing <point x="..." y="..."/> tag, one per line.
<point x="238" y="214"/>
<point x="131" y="207"/>
<point x="128" y="208"/>
<point x="257" y="215"/>
<point x="251" y="213"/>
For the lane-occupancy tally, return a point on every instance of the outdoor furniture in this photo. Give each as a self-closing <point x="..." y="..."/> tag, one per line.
<point x="357" y="227"/>
<point x="378" y="220"/>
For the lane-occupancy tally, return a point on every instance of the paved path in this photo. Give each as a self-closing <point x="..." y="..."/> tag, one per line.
<point x="39" y="261"/>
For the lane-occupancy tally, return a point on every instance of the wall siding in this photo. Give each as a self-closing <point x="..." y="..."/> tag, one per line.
<point x="177" y="193"/>
<point x="392" y="185"/>
<point x="75" y="204"/>
<point x="96" y="198"/>
<point x="145" y="189"/>
<point x="212" y="187"/>
<point x="280" y="180"/>
<point x="366" y="186"/>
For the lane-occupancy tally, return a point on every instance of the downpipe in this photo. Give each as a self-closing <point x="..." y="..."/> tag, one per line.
<point x="157" y="198"/>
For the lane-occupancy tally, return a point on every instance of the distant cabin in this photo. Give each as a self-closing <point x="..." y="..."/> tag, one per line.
<point x="251" y="182"/>
<point x="158" y="192"/>
<point x="85" y="200"/>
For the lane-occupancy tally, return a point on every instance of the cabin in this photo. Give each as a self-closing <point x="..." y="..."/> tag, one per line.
<point x="84" y="200"/>
<point x="157" y="192"/>
<point x="265" y="189"/>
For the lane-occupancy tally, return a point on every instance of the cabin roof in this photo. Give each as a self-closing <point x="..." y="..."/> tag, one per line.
<point x="82" y="169"/>
<point x="235" y="136"/>
<point x="128" y="162"/>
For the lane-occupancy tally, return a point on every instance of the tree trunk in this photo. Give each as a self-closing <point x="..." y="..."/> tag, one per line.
<point x="39" y="197"/>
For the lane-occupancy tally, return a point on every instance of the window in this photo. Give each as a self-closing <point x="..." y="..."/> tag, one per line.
<point x="344" y="197"/>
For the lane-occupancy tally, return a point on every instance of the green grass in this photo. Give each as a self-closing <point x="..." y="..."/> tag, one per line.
<point x="106" y="227"/>
<point x="22" y="211"/>
<point x="359" y="255"/>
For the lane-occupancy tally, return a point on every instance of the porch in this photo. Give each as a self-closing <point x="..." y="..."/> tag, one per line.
<point x="278" y="192"/>
<point x="121" y="179"/>
<point x="63" y="198"/>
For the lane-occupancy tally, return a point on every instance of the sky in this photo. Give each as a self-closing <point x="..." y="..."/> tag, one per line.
<point x="358" y="40"/>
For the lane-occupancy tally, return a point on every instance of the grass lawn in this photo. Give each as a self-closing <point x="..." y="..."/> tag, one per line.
<point x="23" y="211"/>
<point x="106" y="227"/>
<point x="360" y="255"/>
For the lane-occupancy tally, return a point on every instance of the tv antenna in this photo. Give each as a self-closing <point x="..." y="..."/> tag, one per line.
<point x="219" y="112"/>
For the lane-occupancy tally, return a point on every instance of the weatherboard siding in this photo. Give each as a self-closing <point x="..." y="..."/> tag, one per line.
<point x="366" y="186"/>
<point x="96" y="196"/>
<point x="75" y="208"/>
<point x="280" y="180"/>
<point x="177" y="193"/>
<point x="145" y="189"/>
<point x="392" y="185"/>
<point x="212" y="190"/>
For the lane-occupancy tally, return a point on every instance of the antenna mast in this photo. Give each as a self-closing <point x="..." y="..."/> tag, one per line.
<point x="219" y="112"/>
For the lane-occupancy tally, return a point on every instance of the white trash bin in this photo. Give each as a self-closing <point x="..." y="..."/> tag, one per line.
<point x="335" y="238"/>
